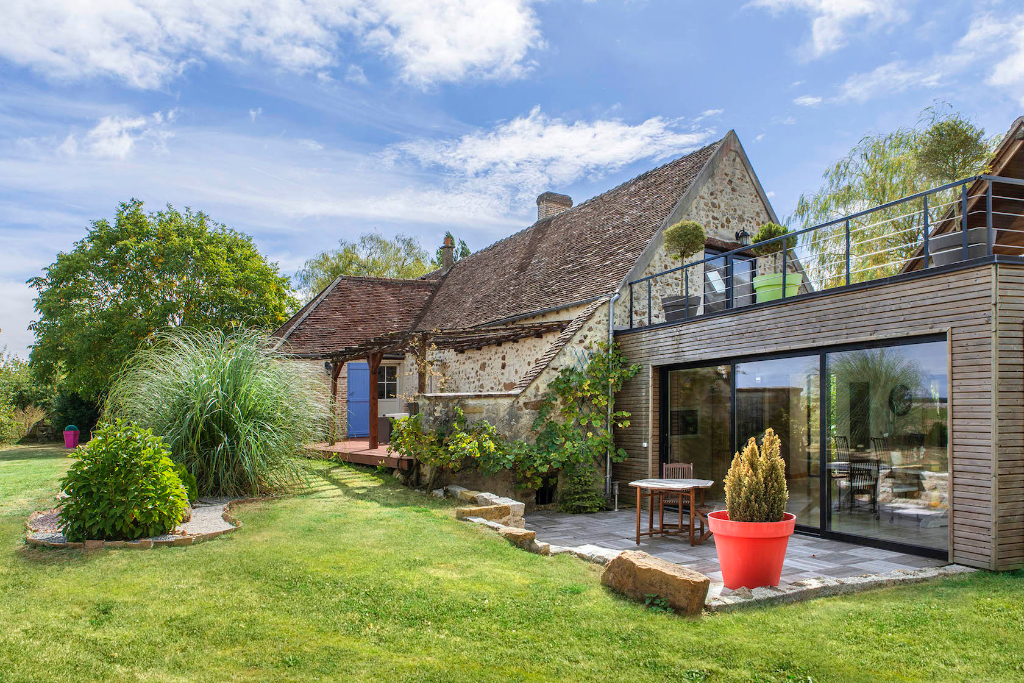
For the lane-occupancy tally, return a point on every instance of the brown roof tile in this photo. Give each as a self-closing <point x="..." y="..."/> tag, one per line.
<point x="572" y="257"/>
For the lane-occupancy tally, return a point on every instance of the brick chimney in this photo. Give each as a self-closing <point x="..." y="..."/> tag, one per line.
<point x="551" y="204"/>
<point x="447" y="254"/>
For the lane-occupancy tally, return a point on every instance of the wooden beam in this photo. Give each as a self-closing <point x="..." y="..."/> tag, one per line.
<point x="421" y="387"/>
<point x="373" y="360"/>
<point x="335" y="372"/>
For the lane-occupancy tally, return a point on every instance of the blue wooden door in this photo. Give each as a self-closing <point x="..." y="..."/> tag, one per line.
<point x="358" y="399"/>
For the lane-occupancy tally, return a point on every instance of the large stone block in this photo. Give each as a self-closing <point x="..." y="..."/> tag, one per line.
<point x="521" y="538"/>
<point x="468" y="496"/>
<point x="637" y="575"/>
<point x="495" y="512"/>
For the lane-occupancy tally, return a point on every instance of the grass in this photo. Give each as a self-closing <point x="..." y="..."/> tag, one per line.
<point x="360" y="579"/>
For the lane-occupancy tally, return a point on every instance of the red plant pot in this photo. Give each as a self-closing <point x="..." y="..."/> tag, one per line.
<point x="71" y="438"/>
<point x="751" y="553"/>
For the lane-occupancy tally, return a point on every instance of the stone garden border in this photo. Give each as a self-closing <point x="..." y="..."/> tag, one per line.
<point x="51" y="539"/>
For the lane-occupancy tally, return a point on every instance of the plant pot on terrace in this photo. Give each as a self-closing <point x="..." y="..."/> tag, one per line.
<point x="769" y="285"/>
<point x="949" y="247"/>
<point x="684" y="239"/>
<point x="752" y="534"/>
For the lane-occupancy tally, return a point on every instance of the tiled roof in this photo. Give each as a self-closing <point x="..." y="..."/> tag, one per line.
<point x="576" y="256"/>
<point x="572" y="257"/>
<point x="354" y="310"/>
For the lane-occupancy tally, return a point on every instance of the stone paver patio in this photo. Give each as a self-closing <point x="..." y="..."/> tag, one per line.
<point x="807" y="557"/>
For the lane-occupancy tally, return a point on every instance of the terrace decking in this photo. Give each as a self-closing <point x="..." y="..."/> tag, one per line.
<point x="358" y="451"/>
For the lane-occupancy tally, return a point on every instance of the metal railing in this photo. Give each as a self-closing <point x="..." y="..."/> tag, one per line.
<point x="955" y="222"/>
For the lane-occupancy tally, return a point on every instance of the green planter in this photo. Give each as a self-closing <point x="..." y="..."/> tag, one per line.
<point x="769" y="287"/>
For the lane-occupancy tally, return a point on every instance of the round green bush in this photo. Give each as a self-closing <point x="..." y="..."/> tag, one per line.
<point x="685" y="238"/>
<point x="123" y="487"/>
<point x="771" y="231"/>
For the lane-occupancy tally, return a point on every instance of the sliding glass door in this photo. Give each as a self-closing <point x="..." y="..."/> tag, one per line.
<point x="783" y="394"/>
<point x="881" y="472"/>
<point x="888" y="442"/>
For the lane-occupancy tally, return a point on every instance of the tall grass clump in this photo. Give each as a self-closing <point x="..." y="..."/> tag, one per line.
<point x="232" y="411"/>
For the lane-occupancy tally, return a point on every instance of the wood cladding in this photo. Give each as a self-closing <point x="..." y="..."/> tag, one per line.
<point x="981" y="312"/>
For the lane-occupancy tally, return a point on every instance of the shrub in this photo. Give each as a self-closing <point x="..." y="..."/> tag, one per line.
<point x="233" y="412"/>
<point x="188" y="481"/>
<point x="685" y="238"/>
<point x="123" y="487"/>
<point x="8" y="425"/>
<point x="580" y="491"/>
<point x="755" y="486"/>
<point x="771" y="231"/>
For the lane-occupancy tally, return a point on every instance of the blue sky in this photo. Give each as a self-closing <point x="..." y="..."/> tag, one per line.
<point x="302" y="122"/>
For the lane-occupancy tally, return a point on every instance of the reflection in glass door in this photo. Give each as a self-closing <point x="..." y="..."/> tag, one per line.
<point x="784" y="394"/>
<point x="699" y="420"/>
<point x="887" y="457"/>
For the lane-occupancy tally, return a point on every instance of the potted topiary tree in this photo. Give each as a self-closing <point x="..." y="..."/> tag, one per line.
<point x="769" y="285"/>
<point x="751" y="535"/>
<point x="684" y="239"/>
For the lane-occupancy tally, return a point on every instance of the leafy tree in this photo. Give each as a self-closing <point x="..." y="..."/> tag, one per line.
<point x="880" y="169"/>
<point x="142" y="274"/>
<point x="373" y="255"/>
<point x="19" y="384"/>
<point x="461" y="251"/>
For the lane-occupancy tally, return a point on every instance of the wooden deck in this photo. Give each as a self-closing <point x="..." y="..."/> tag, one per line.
<point x="359" y="452"/>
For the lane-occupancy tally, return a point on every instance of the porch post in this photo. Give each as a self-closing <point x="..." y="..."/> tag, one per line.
<point x="374" y="362"/>
<point x="421" y="387"/>
<point x="336" y="367"/>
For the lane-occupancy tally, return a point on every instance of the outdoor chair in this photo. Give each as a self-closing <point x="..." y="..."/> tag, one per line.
<point x="839" y="468"/>
<point x="864" y="480"/>
<point x="684" y="470"/>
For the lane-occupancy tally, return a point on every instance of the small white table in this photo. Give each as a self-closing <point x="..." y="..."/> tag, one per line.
<point x="658" y="488"/>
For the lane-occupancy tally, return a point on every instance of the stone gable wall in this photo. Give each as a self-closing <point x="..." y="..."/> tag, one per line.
<point x="728" y="202"/>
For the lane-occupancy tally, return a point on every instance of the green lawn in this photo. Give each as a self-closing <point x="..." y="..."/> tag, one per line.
<point x="360" y="579"/>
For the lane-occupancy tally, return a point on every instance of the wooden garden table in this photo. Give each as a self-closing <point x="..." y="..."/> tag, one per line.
<point x="652" y="488"/>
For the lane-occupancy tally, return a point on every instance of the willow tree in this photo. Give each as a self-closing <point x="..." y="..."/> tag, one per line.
<point x="943" y="147"/>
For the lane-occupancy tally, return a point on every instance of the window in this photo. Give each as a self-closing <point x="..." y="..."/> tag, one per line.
<point x="387" y="382"/>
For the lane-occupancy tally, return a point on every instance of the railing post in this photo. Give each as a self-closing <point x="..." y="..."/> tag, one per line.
<point x="631" y="305"/>
<point x="963" y="219"/>
<point x="649" y="310"/>
<point x="784" y="249"/>
<point x="990" y="235"/>
<point x="847" y="251"/>
<point x="927" y="229"/>
<point x="686" y="292"/>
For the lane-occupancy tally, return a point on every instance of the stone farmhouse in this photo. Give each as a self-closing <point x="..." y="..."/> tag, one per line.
<point x="887" y="352"/>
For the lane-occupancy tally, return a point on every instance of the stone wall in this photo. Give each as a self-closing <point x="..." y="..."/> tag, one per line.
<point x="727" y="203"/>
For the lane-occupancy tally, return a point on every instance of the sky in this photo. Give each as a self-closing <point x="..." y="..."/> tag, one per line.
<point x="304" y="122"/>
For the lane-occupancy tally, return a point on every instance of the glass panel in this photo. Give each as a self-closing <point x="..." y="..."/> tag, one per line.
<point x="387" y="382"/>
<point x="715" y="283"/>
<point x="699" y="422"/>
<point x="784" y="394"/>
<point x="743" y="279"/>
<point x="887" y="451"/>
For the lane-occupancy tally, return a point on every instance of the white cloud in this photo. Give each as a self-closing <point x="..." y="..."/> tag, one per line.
<point x="69" y="147"/>
<point x="147" y="43"/>
<point x="807" y="101"/>
<point x="536" y="152"/>
<point x="832" y="21"/>
<point x="355" y="74"/>
<point x="255" y="113"/>
<point x="759" y="137"/>
<point x="310" y="144"/>
<point x="115" y="136"/>
<point x="989" y="40"/>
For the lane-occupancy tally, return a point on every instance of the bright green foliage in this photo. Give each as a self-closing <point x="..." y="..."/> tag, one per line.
<point x="577" y="415"/>
<point x="880" y="169"/>
<point x="188" y="481"/>
<point x="685" y="239"/>
<point x="123" y="487"/>
<point x="454" y="445"/>
<point x="232" y="411"/>
<point x="372" y="256"/>
<point x="771" y="231"/>
<point x="755" y="486"/>
<point x="580" y="490"/>
<point x="8" y="426"/>
<point x="20" y="385"/>
<point x="143" y="274"/>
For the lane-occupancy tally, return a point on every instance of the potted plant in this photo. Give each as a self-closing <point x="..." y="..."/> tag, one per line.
<point x="769" y="285"/>
<point x="751" y="535"/>
<point x="71" y="435"/>
<point x="684" y="239"/>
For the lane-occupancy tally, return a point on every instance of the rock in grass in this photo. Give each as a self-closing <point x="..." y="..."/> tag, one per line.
<point x="637" y="575"/>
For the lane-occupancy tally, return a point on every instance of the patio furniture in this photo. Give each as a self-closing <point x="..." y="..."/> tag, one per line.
<point x="839" y="466"/>
<point x="657" y="489"/>
<point x="864" y="480"/>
